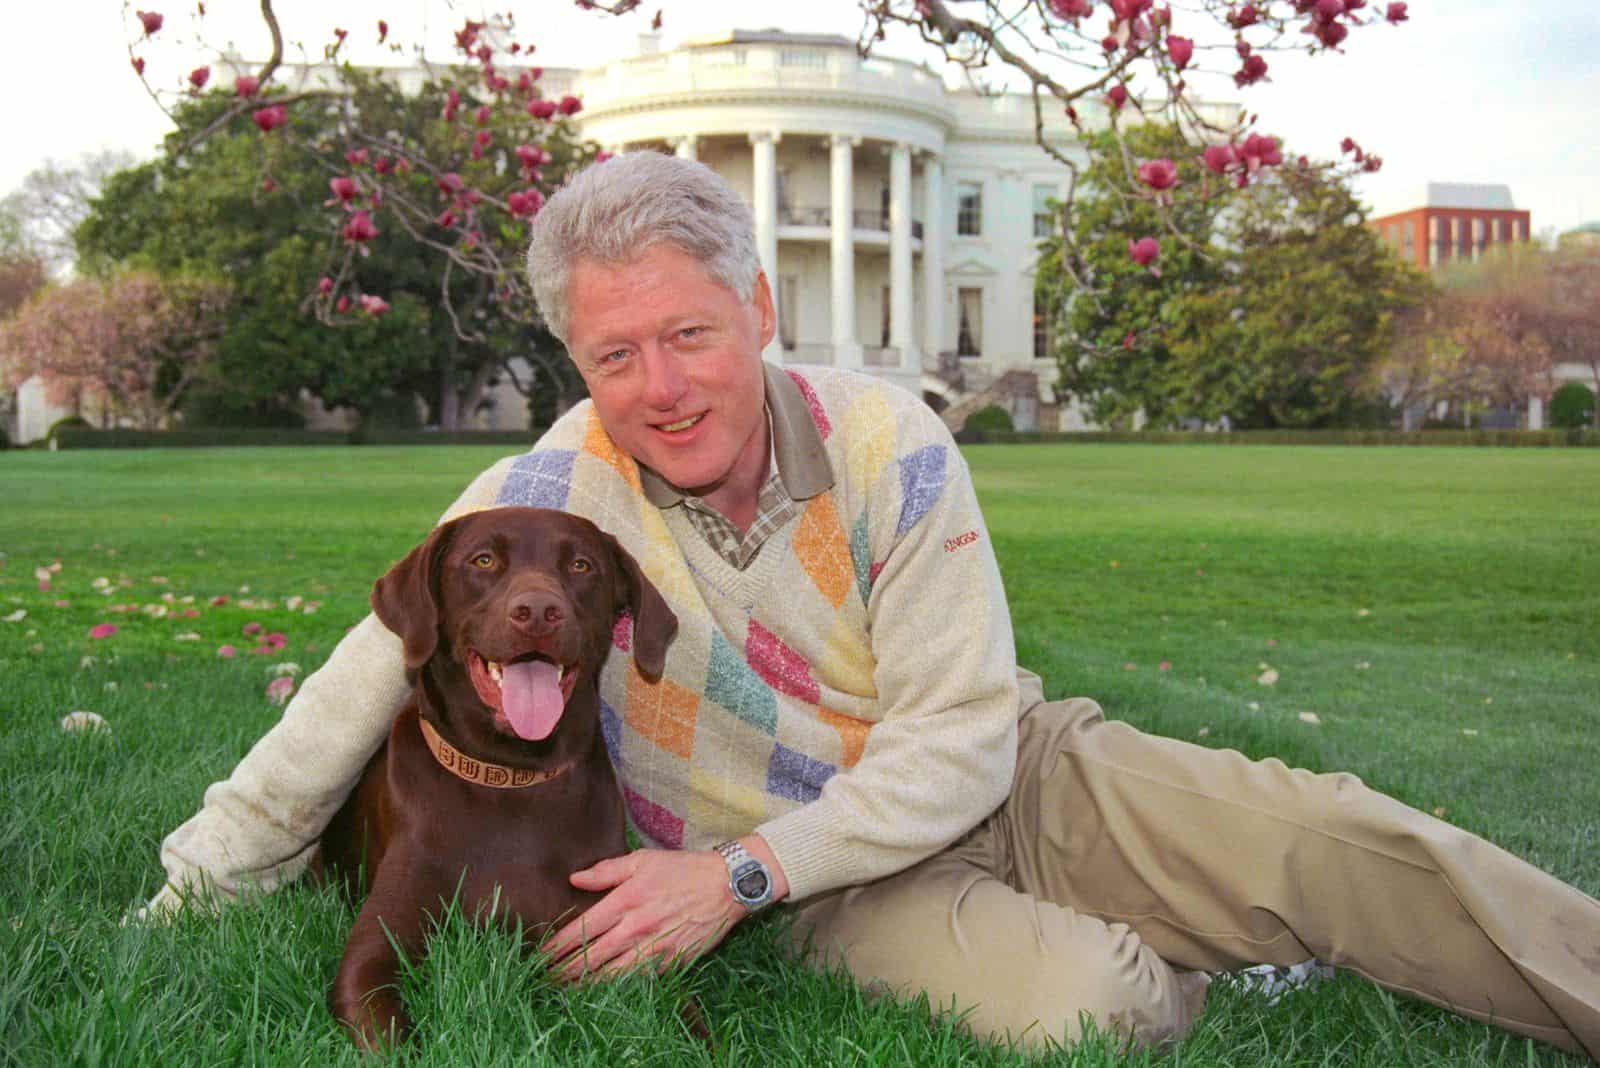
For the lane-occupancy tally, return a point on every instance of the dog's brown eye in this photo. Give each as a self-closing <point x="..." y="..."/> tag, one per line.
<point x="582" y="566"/>
<point x="483" y="560"/>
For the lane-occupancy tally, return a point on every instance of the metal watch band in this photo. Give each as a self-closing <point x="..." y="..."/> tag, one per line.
<point x="748" y="878"/>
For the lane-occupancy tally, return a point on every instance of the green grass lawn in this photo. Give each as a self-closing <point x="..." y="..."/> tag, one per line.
<point x="1433" y="617"/>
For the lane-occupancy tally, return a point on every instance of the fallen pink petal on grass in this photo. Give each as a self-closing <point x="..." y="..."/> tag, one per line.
<point x="252" y="628"/>
<point x="1268" y="677"/>
<point x="280" y="689"/>
<point x="227" y="652"/>
<point x="102" y="630"/>
<point x="1311" y="718"/>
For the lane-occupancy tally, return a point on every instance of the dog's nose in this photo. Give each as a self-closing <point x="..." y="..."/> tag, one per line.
<point x="536" y="612"/>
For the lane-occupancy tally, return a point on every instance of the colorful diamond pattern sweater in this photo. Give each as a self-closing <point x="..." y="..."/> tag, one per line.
<point x="851" y="695"/>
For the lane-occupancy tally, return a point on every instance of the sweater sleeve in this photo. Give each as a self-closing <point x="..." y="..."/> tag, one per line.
<point x="942" y="756"/>
<point x="258" y="826"/>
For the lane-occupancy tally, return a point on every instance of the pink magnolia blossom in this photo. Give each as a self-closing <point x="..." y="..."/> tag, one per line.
<point x="268" y="185"/>
<point x="324" y="285"/>
<point x="342" y="306"/>
<point x="1327" y="10"/>
<point x="1108" y="43"/>
<point x="356" y="157"/>
<point x="1181" y="49"/>
<point x="344" y="188"/>
<point x="382" y="164"/>
<point x="150" y="20"/>
<point x="1117" y="96"/>
<point x="482" y="138"/>
<point x="525" y="84"/>
<point x="541" y="108"/>
<point x="1330" y="33"/>
<point x="138" y="65"/>
<point x="1245" y="16"/>
<point x="450" y="183"/>
<point x="1159" y="174"/>
<point x="280" y="689"/>
<point x="446" y="219"/>
<point x="569" y="105"/>
<point x="525" y="203"/>
<point x="359" y="228"/>
<point x="374" y="306"/>
<point x="481" y="116"/>
<point x="245" y="85"/>
<point x="1395" y="13"/>
<point x="1218" y="158"/>
<point x="102" y="630"/>
<point x="1260" y="151"/>
<point x="1253" y="70"/>
<point x="383" y="31"/>
<point x="1144" y="251"/>
<point x="269" y="119"/>
<point x="198" y="77"/>
<point x="532" y="156"/>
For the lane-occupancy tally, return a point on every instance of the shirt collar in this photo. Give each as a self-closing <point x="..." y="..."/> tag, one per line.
<point x="796" y="446"/>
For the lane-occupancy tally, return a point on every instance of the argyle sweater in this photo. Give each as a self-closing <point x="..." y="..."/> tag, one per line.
<point x="851" y="695"/>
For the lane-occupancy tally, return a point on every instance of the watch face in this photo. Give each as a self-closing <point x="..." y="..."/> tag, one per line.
<point x="752" y="884"/>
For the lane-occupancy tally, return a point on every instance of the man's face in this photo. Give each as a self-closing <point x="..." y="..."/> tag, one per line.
<point x="673" y="364"/>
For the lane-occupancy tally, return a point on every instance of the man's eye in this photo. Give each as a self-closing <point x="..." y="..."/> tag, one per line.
<point x="582" y="566"/>
<point x="483" y="560"/>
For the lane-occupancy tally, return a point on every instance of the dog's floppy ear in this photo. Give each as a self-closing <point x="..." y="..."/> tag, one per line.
<point x="654" y="623"/>
<point x="406" y="597"/>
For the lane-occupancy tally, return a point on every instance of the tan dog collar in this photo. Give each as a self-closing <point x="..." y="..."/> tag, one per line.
<point x="482" y="772"/>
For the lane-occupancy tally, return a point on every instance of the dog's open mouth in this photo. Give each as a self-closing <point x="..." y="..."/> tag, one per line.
<point x="530" y="691"/>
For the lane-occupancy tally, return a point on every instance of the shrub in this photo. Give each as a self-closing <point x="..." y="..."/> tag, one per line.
<point x="213" y="407"/>
<point x="990" y="419"/>
<point x="1572" y="406"/>
<point x="70" y="422"/>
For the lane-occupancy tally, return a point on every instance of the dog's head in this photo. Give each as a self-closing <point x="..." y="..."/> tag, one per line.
<point x="522" y="601"/>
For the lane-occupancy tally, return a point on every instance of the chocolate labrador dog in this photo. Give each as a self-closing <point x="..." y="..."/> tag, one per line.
<point x="494" y="784"/>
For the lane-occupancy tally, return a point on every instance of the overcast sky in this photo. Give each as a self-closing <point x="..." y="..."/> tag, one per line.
<point x="1467" y="91"/>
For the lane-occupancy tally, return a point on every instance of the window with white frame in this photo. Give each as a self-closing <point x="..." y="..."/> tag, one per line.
<point x="969" y="209"/>
<point x="1044" y="219"/>
<point x="969" y="328"/>
<point x="1041" y="325"/>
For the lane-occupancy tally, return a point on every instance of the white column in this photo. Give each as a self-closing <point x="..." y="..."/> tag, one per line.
<point x="933" y="255"/>
<point x="684" y="147"/>
<point x="764" y="201"/>
<point x="1535" y="412"/>
<point x="846" y="346"/>
<point x="901" y="335"/>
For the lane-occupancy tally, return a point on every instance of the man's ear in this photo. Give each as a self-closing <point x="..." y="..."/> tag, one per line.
<point x="406" y="598"/>
<point x="766" y="308"/>
<point x="654" y="624"/>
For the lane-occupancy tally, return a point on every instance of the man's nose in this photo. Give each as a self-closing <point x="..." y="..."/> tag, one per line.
<point x="665" y="383"/>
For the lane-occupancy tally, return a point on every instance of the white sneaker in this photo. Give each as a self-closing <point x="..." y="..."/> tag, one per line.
<point x="1272" y="981"/>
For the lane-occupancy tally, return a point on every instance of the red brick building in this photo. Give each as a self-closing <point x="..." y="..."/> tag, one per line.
<point x="1455" y="222"/>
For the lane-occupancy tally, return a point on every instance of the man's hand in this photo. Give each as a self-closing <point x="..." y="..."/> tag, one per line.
<point x="668" y="907"/>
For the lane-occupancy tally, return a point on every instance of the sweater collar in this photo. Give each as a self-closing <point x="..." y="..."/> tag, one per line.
<point x="797" y="448"/>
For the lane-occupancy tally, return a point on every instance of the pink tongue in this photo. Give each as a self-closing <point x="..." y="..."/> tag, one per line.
<point x="530" y="696"/>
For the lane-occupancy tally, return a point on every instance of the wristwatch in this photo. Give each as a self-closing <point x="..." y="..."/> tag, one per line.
<point x="748" y="878"/>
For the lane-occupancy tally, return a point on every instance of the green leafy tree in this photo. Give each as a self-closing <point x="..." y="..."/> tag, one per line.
<point x="1267" y="303"/>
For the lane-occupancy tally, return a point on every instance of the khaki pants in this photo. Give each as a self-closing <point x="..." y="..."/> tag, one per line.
<point x="1123" y="865"/>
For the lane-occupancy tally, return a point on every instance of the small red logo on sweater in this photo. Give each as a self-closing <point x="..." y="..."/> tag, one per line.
<point x="960" y="541"/>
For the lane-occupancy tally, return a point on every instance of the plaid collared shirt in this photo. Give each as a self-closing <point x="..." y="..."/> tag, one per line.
<point x="774" y="508"/>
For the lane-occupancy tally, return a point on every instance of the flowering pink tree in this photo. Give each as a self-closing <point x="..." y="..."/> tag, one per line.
<point x="453" y="165"/>
<point x="129" y="346"/>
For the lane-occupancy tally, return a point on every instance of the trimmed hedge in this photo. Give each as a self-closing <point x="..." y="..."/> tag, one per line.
<point x="266" y="436"/>
<point x="1526" y="438"/>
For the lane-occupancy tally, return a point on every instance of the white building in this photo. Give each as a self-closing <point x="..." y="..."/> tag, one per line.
<point x="897" y="219"/>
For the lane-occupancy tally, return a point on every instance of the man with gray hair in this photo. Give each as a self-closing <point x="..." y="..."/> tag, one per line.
<point x="842" y="726"/>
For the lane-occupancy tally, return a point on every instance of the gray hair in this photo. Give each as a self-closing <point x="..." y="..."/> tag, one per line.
<point x="612" y="212"/>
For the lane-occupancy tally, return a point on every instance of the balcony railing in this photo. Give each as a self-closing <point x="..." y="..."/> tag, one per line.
<point x="796" y="215"/>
